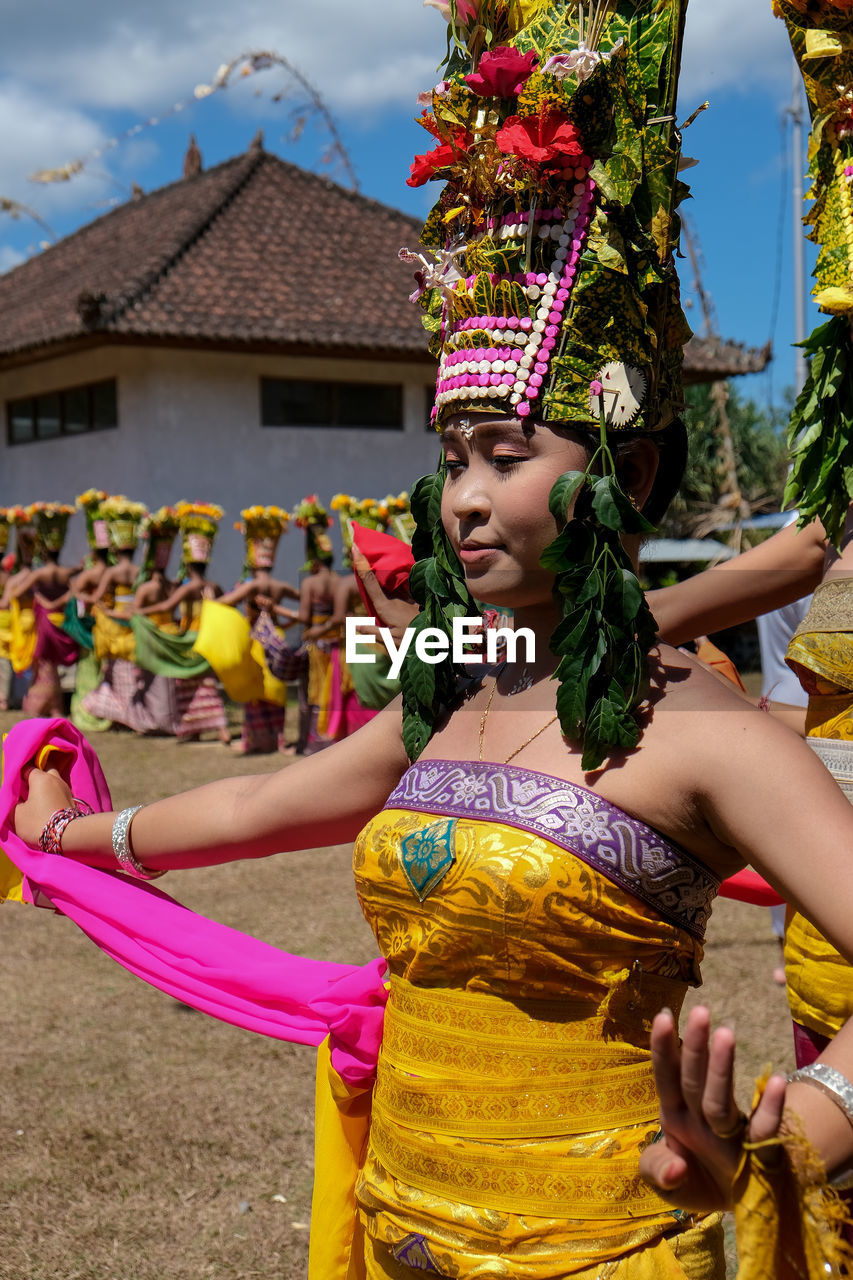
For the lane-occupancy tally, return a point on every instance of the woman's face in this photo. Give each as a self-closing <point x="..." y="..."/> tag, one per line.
<point x="495" y="503"/>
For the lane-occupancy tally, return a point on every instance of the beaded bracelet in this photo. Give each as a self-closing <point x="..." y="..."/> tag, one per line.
<point x="830" y="1081"/>
<point x="50" y="840"/>
<point x="122" y="850"/>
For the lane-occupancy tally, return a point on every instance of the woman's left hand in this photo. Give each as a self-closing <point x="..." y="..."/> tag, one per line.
<point x="694" y="1163"/>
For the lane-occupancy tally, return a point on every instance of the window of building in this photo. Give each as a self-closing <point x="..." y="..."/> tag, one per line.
<point x="287" y="402"/>
<point x="429" y="405"/>
<point x="72" y="412"/>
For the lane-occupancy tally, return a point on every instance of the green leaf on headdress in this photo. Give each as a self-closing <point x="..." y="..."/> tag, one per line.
<point x="484" y="296"/>
<point x="563" y="493"/>
<point x="498" y="260"/>
<point x="614" y="508"/>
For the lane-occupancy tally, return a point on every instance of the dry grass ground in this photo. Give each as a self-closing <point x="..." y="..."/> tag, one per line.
<point x="141" y="1141"/>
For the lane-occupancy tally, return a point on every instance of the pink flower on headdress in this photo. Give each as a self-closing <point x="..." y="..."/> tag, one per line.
<point x="443" y="7"/>
<point x="439" y="91"/>
<point x="502" y="72"/>
<point x="545" y="140"/>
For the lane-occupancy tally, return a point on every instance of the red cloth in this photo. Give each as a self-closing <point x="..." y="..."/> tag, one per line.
<point x="389" y="558"/>
<point x="749" y="886"/>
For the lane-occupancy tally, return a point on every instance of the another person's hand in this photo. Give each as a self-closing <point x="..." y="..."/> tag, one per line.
<point x="46" y="792"/>
<point x="394" y="614"/>
<point x="694" y="1163"/>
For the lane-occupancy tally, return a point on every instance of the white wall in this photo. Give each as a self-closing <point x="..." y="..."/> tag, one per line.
<point x="189" y="427"/>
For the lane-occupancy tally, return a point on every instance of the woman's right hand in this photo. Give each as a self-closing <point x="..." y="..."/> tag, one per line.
<point x="46" y="792"/>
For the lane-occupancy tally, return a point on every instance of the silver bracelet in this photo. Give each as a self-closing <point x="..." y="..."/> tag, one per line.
<point x="122" y="850"/>
<point x="831" y="1082"/>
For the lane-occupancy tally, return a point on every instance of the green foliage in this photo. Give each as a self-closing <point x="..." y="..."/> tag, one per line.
<point x="607" y="628"/>
<point x="760" y="456"/>
<point x="438" y="585"/>
<point x="820" y="435"/>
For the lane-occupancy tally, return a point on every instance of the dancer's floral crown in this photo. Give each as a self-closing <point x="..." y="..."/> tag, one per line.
<point x="159" y="529"/>
<point x="123" y="516"/>
<point x="547" y="278"/>
<point x="261" y="527"/>
<point x="51" y="523"/>
<point x="199" y="523"/>
<point x="96" y="528"/>
<point x="311" y="516"/>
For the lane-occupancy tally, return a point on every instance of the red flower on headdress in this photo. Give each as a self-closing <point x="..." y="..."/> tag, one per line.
<point x="546" y="140"/>
<point x="502" y="72"/>
<point x="441" y="157"/>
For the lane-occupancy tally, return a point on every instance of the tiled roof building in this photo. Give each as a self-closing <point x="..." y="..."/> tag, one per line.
<point x="253" y="252"/>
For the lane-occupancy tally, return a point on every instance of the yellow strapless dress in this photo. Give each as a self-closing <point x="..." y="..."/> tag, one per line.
<point x="111" y="638"/>
<point x="532" y="931"/>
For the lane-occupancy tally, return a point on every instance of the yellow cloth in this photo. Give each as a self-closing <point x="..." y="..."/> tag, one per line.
<point x="5" y="633"/>
<point x="341" y="1123"/>
<point x="22" y="645"/>
<point x="819" y="980"/>
<point x="789" y="1223"/>
<point x="321" y="672"/>
<point x="225" y="641"/>
<point x="514" y="1090"/>
<point x="111" y="638"/>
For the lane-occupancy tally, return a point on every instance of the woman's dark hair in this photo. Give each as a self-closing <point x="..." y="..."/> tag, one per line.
<point x="671" y="444"/>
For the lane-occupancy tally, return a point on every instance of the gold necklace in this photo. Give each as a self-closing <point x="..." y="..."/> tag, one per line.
<point x="484" y="717"/>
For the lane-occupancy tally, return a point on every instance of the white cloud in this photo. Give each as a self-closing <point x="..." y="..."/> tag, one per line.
<point x="37" y="134"/>
<point x="731" y="46"/>
<point x="95" y="53"/>
<point x="61" y="64"/>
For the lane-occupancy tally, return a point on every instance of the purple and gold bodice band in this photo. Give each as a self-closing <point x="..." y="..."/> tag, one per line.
<point x="628" y="852"/>
<point x="217" y="970"/>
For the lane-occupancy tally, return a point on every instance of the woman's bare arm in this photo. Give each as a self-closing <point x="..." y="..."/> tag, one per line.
<point x="784" y="568"/>
<point x="170" y="603"/>
<point x="321" y="800"/>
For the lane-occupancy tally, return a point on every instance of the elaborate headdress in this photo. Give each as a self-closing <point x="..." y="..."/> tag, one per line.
<point x="6" y="523"/>
<point x="261" y="527"/>
<point x="124" y="518"/>
<point x="25" y="531"/>
<point x="199" y="523"/>
<point x="51" y="523"/>
<point x="97" y="532"/>
<point x="314" y="519"/>
<point x="390" y="514"/>
<point x="821" y="427"/>
<point x="549" y="287"/>
<point x="159" y="529"/>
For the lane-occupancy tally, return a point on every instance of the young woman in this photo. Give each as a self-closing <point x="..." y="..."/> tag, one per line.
<point x="525" y="943"/>
<point x="537" y="856"/>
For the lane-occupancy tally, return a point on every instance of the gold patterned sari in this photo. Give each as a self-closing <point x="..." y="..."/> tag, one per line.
<point x="532" y="931"/>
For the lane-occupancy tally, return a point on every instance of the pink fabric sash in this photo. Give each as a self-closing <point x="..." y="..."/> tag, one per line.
<point x="217" y="970"/>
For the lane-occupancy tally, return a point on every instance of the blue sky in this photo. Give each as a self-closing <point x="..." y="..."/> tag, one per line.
<point x="72" y="77"/>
